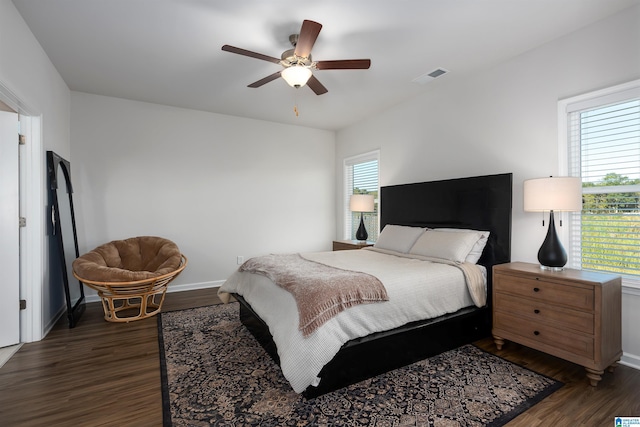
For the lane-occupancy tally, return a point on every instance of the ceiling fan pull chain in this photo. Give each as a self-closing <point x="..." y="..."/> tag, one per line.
<point x="295" y="103"/>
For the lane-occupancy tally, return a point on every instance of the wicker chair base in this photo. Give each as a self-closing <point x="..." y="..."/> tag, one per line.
<point x="129" y="301"/>
<point x="119" y="308"/>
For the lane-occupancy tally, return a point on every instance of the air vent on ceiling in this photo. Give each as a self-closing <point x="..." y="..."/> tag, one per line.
<point x="426" y="78"/>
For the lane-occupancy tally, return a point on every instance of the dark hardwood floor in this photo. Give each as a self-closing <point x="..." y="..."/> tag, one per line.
<point x="106" y="374"/>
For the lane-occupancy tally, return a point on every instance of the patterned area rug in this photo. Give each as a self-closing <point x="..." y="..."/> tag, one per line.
<point x="215" y="373"/>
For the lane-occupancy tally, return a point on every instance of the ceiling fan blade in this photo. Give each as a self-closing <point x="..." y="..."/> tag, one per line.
<point x="308" y="35"/>
<point x="345" y="64"/>
<point x="315" y="85"/>
<point x="249" y="53"/>
<point x="265" y="80"/>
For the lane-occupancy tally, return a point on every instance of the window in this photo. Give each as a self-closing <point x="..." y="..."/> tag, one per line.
<point x="361" y="177"/>
<point x="603" y="148"/>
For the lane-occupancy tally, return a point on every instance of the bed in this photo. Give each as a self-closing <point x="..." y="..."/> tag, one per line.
<point x="480" y="203"/>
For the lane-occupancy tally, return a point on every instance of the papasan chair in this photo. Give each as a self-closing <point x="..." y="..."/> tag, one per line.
<point x="131" y="276"/>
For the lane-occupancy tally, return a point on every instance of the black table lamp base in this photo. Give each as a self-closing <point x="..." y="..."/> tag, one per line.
<point x="362" y="234"/>
<point x="552" y="255"/>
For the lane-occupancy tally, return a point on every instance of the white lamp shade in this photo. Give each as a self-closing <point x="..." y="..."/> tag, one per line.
<point x="296" y="75"/>
<point x="553" y="194"/>
<point x="361" y="203"/>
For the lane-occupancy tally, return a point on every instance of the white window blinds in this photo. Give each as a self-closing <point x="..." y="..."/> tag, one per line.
<point x="604" y="150"/>
<point x="361" y="177"/>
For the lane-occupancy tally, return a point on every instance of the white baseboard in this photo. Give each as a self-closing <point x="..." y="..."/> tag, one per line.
<point x="630" y="360"/>
<point x="173" y="288"/>
<point x="61" y="312"/>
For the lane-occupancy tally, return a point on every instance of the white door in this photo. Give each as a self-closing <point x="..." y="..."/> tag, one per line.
<point x="9" y="231"/>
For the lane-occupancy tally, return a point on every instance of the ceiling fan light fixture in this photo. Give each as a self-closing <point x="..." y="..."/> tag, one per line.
<point x="296" y="75"/>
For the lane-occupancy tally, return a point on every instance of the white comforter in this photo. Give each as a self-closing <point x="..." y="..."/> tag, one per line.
<point x="417" y="289"/>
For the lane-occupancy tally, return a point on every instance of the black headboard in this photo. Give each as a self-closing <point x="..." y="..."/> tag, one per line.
<point x="480" y="203"/>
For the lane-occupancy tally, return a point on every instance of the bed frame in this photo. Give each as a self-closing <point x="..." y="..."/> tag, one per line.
<point x="480" y="203"/>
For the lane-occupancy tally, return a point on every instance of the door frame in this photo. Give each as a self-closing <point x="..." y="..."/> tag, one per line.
<point x="32" y="207"/>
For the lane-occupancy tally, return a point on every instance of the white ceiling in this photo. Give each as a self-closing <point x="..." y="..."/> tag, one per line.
<point x="169" y="51"/>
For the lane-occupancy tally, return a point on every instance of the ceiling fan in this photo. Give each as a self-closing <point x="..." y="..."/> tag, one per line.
<point x="297" y="62"/>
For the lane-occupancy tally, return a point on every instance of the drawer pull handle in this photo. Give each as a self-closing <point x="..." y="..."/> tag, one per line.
<point x="536" y="332"/>
<point x="536" y="289"/>
<point x="536" y="311"/>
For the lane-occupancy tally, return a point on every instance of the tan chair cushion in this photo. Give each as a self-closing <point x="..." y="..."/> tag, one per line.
<point x="137" y="258"/>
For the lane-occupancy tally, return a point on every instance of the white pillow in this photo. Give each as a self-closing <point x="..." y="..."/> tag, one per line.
<point x="399" y="238"/>
<point x="445" y="245"/>
<point x="476" y="251"/>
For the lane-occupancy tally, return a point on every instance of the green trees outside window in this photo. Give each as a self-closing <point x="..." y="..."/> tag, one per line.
<point x="610" y="225"/>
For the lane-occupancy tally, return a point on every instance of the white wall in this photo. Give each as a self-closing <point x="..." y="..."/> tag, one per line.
<point x="500" y="120"/>
<point x="28" y="72"/>
<point x="219" y="186"/>
<point x="29" y="76"/>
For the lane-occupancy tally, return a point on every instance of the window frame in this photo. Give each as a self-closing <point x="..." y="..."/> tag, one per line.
<point x="614" y="94"/>
<point x="347" y="163"/>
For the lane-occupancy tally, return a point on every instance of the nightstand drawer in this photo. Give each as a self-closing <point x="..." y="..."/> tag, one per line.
<point x="539" y="311"/>
<point x="542" y="336"/>
<point x="568" y="296"/>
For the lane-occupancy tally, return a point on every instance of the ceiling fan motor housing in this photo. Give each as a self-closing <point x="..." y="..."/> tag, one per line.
<point x="289" y="57"/>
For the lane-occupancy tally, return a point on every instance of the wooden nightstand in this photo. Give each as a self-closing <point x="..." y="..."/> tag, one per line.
<point x="571" y="314"/>
<point x="347" y="245"/>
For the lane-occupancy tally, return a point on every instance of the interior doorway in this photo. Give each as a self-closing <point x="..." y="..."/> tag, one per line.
<point x="9" y="228"/>
<point x="30" y="244"/>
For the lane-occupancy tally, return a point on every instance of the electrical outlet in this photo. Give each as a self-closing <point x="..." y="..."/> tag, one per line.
<point x="239" y="259"/>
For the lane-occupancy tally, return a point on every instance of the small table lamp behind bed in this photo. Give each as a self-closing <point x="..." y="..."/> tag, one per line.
<point x="361" y="203"/>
